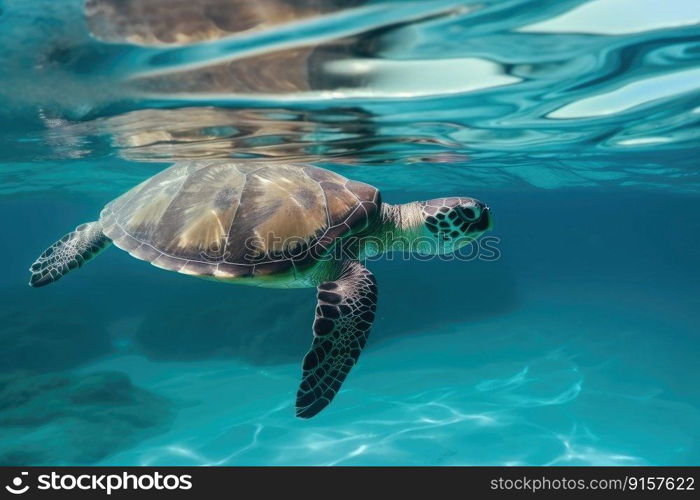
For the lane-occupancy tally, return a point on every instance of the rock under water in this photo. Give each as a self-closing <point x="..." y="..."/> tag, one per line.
<point x="68" y="419"/>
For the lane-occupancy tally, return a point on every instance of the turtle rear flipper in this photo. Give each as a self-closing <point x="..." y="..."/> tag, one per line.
<point x="68" y="253"/>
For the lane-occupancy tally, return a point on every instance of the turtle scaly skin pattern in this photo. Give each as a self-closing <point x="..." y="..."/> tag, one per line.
<point x="279" y="226"/>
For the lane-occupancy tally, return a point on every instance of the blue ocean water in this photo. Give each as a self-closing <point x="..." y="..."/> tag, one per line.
<point x="576" y="121"/>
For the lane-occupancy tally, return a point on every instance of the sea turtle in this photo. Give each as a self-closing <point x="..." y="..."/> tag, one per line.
<point x="274" y="225"/>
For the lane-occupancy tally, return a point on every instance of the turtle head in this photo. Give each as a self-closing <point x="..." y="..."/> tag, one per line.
<point x="434" y="227"/>
<point x="454" y="222"/>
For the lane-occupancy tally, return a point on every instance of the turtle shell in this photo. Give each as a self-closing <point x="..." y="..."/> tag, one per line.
<point x="227" y="220"/>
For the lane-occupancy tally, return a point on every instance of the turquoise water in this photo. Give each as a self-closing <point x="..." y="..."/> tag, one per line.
<point x="576" y="121"/>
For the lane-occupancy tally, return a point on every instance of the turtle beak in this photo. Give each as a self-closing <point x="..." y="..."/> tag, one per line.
<point x="485" y="222"/>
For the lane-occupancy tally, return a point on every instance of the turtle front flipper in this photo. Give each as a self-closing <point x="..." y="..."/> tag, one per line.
<point x="68" y="253"/>
<point x="344" y="316"/>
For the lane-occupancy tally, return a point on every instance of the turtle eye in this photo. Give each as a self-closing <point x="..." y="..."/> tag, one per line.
<point x="467" y="213"/>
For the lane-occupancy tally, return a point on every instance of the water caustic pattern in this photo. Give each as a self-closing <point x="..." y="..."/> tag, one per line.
<point x="434" y="400"/>
<point x="575" y="120"/>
